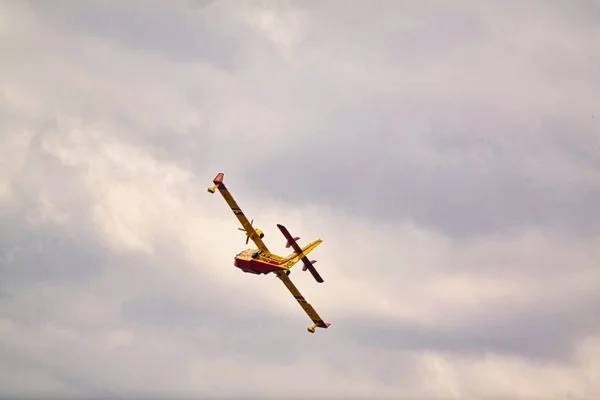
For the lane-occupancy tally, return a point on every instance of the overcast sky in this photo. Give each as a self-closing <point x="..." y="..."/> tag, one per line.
<point x="448" y="154"/>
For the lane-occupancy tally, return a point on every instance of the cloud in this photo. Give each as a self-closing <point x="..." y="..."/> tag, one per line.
<point x="446" y="155"/>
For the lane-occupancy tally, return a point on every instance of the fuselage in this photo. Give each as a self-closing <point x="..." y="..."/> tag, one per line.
<point x="264" y="263"/>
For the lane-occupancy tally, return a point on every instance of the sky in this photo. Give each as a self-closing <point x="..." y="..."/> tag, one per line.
<point x="447" y="153"/>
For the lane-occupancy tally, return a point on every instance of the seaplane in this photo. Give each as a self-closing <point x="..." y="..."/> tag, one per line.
<point x="261" y="261"/>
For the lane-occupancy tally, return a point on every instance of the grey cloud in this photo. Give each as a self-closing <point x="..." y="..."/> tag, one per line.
<point x="42" y="378"/>
<point x="546" y="334"/>
<point x="148" y="295"/>
<point x="357" y="151"/>
<point x="400" y="33"/>
<point x="145" y="299"/>
<point x="29" y="257"/>
<point x="236" y="331"/>
<point x="372" y="138"/>
<point x="364" y="171"/>
<point x="180" y="31"/>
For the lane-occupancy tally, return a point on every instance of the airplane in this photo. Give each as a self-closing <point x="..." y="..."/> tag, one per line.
<point x="262" y="261"/>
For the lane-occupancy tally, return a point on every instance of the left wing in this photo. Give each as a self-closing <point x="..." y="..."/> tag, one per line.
<point x="218" y="181"/>
<point x="312" y="314"/>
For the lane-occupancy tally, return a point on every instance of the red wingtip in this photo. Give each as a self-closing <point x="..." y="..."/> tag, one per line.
<point x="323" y="324"/>
<point x="219" y="178"/>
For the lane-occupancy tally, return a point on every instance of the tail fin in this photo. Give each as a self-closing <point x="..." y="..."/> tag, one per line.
<point x="301" y="253"/>
<point x="308" y="265"/>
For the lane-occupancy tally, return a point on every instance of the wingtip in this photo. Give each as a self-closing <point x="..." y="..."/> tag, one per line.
<point x="219" y="178"/>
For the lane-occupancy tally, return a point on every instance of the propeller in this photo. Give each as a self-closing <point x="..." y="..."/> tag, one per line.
<point x="244" y="230"/>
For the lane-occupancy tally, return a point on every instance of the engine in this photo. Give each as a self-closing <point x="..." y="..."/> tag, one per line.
<point x="260" y="233"/>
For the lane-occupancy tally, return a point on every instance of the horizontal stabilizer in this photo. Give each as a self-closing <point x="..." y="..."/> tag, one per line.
<point x="308" y="265"/>
<point x="289" y="243"/>
<point x="290" y="240"/>
<point x="313" y="262"/>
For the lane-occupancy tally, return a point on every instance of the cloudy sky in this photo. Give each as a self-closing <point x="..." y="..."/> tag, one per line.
<point x="446" y="152"/>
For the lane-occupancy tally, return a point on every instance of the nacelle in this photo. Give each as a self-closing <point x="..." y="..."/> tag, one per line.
<point x="260" y="233"/>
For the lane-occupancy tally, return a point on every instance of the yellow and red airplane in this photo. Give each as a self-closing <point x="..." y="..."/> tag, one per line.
<point x="262" y="261"/>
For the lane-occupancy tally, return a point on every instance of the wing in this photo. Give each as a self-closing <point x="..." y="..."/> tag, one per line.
<point x="218" y="181"/>
<point x="310" y="311"/>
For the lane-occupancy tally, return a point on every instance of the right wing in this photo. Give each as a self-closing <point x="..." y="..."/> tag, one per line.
<point x="218" y="181"/>
<point x="310" y="311"/>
